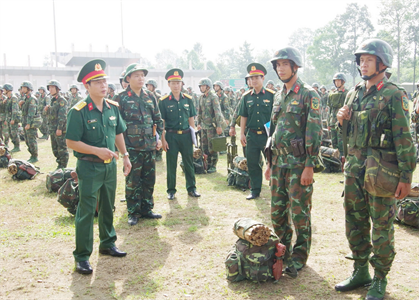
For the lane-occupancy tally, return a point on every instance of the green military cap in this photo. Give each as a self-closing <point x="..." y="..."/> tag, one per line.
<point x="255" y="69"/>
<point x="174" y="75"/>
<point x="134" y="68"/>
<point x="93" y="70"/>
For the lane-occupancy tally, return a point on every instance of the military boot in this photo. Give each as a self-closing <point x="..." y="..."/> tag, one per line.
<point x="377" y="289"/>
<point x="15" y="149"/>
<point x="211" y="170"/>
<point x="360" y="277"/>
<point x="34" y="159"/>
<point x="30" y="159"/>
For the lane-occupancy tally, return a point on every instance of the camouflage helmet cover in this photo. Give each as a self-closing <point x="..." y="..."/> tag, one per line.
<point x="152" y="82"/>
<point x="112" y="86"/>
<point x="289" y="53"/>
<point x="205" y="81"/>
<point x="323" y="87"/>
<point x="339" y="76"/>
<point x="27" y="84"/>
<point x="7" y="87"/>
<point x="378" y="48"/>
<point x="220" y="84"/>
<point x="42" y="88"/>
<point x="134" y="68"/>
<point x="73" y="86"/>
<point x="56" y="84"/>
<point x="270" y="82"/>
<point x="315" y="85"/>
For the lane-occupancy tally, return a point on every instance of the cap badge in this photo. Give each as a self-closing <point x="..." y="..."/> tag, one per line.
<point x="98" y="67"/>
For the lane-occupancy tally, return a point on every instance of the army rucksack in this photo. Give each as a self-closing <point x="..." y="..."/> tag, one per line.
<point x="5" y="157"/>
<point x="247" y="261"/>
<point x="199" y="162"/>
<point x="68" y="195"/>
<point x="22" y="170"/>
<point x="408" y="211"/>
<point x="57" y="178"/>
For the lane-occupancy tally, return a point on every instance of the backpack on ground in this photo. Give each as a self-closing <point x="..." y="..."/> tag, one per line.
<point x="408" y="211"/>
<point x="199" y="162"/>
<point x="57" y="178"/>
<point x="68" y="195"/>
<point x="22" y="170"/>
<point x="5" y="157"/>
<point x="238" y="176"/>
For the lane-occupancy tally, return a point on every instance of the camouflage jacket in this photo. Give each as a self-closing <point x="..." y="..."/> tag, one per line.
<point x="335" y="101"/>
<point x="29" y="110"/>
<point x="12" y="109"/>
<point x="323" y="99"/>
<point x="415" y="96"/>
<point x="111" y="95"/>
<point x="209" y="111"/>
<point x="140" y="114"/>
<point x="301" y="104"/>
<point x="224" y="104"/>
<point x="2" y="108"/>
<point x="379" y="120"/>
<point x="235" y="115"/>
<point x="72" y="100"/>
<point x="42" y="102"/>
<point x="57" y="114"/>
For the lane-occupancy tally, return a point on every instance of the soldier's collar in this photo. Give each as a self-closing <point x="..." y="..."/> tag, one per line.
<point x="254" y="92"/>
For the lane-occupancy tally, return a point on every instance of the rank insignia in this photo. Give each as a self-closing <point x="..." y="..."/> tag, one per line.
<point x="90" y="106"/>
<point x="295" y="102"/>
<point x="266" y="100"/>
<point x="315" y="103"/>
<point x="112" y="118"/>
<point x="380" y="85"/>
<point x="129" y="94"/>
<point x="296" y="89"/>
<point x="405" y="103"/>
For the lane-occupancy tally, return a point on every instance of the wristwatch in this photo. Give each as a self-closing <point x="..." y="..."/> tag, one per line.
<point x="125" y="154"/>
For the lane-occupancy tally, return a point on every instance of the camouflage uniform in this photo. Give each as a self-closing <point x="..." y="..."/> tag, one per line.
<point x="335" y="102"/>
<point x="57" y="120"/>
<point x="290" y="199"/>
<point x="42" y="102"/>
<point x="209" y="118"/>
<point x="12" y="113"/>
<point x="3" y="127"/>
<point x="140" y="113"/>
<point x="323" y="103"/>
<point x="225" y="107"/>
<point x="73" y="99"/>
<point x="31" y="116"/>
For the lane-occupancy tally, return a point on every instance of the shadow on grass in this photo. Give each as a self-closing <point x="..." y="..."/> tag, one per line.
<point x="407" y="229"/>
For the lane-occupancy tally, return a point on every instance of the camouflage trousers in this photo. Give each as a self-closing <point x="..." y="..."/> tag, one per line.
<point x="4" y="132"/>
<point x="337" y="142"/>
<point x="59" y="148"/>
<point x="30" y="140"/>
<point x="206" y="136"/>
<point x="360" y="210"/>
<point x="12" y="131"/>
<point x="44" y="126"/>
<point x="140" y="182"/>
<point x="291" y="201"/>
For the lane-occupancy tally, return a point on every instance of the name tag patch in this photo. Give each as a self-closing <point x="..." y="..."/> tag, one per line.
<point x="91" y="121"/>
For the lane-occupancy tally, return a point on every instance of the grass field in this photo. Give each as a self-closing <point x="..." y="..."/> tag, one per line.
<point x="180" y="256"/>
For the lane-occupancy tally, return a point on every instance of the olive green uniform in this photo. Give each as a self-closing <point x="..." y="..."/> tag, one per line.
<point x="97" y="179"/>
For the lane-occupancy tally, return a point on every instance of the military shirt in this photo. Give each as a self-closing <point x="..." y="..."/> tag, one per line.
<point x="257" y="108"/>
<point x="57" y="114"/>
<point x="140" y="113"/>
<point x="29" y="110"/>
<point x="89" y="125"/>
<point x="2" y="108"/>
<point x="302" y="104"/>
<point x="73" y="100"/>
<point x="335" y="101"/>
<point x="323" y="99"/>
<point x="12" y="109"/>
<point x="42" y="102"/>
<point x="392" y="103"/>
<point x="209" y="112"/>
<point x="175" y="113"/>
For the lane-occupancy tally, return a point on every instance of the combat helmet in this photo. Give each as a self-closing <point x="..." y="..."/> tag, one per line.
<point x="291" y="54"/>
<point x="55" y="83"/>
<point x="376" y="47"/>
<point x="152" y="82"/>
<point x="42" y="88"/>
<point x="323" y="87"/>
<point x="339" y="76"/>
<point x="7" y="87"/>
<point x="270" y="82"/>
<point x="73" y="86"/>
<point x="315" y="85"/>
<point x="27" y="84"/>
<point x="205" y="81"/>
<point x="112" y="86"/>
<point x="220" y="84"/>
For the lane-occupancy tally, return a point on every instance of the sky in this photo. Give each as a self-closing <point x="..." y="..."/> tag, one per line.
<point x="149" y="26"/>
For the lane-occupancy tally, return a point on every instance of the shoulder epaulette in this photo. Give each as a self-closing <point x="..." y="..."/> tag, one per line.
<point x="80" y="105"/>
<point x="245" y="93"/>
<point x="187" y="95"/>
<point x="164" y="97"/>
<point x="270" y="91"/>
<point x="112" y="102"/>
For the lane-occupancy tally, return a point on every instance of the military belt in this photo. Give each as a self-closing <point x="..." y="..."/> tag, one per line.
<point x="179" y="131"/>
<point x="283" y="151"/>
<point x="95" y="159"/>
<point x="134" y="130"/>
<point x="257" y="131"/>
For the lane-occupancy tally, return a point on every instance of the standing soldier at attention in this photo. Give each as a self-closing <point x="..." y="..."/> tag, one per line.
<point x="94" y="127"/>
<point x="324" y="96"/>
<point x="255" y="111"/>
<point x="75" y="96"/>
<point x="31" y="119"/>
<point x="295" y="143"/>
<point x="335" y="102"/>
<point x="43" y="101"/>
<point x="177" y="111"/>
<point x="56" y="113"/>
<point x="210" y="120"/>
<point x="140" y="111"/>
<point x="111" y="92"/>
<point x="375" y="119"/>
<point x="13" y="116"/>
<point x="224" y="103"/>
<point x="4" y="134"/>
<point x="151" y="85"/>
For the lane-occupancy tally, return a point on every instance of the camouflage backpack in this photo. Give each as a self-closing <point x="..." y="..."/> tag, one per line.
<point x="238" y="176"/>
<point x="5" y="157"/>
<point x="21" y="169"/>
<point x="408" y="211"/>
<point x="57" y="178"/>
<point x="255" y="263"/>
<point x="199" y="162"/>
<point x="68" y="195"/>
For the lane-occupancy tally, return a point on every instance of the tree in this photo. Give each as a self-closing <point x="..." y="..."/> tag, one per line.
<point x="244" y="58"/>
<point x="166" y="59"/>
<point x="301" y="39"/>
<point x="413" y="36"/>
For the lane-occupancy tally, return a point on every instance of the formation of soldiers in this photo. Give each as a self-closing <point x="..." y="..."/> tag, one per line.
<point x="281" y="125"/>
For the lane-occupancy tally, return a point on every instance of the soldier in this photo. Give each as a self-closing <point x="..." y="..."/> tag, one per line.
<point x="270" y="85"/>
<point x="124" y="85"/>
<point x="111" y="91"/>
<point x="374" y="101"/>
<point x="335" y="101"/>
<point x="43" y="101"/>
<point x="195" y="99"/>
<point x="56" y="113"/>
<point x="151" y="85"/>
<point x="324" y="96"/>
<point x="415" y="96"/>
<point x="255" y="110"/>
<point x="12" y="118"/>
<point x="74" y="97"/>
<point x="295" y="143"/>
<point x="139" y="109"/>
<point x="177" y="111"/>
<point x="31" y="119"/>
<point x="4" y="135"/>
<point x="233" y="121"/>
<point x="224" y="103"/>
<point x="94" y="126"/>
<point x="210" y="121"/>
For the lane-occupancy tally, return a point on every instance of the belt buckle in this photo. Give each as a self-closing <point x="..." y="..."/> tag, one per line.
<point x="259" y="132"/>
<point x="107" y="161"/>
<point x="179" y="131"/>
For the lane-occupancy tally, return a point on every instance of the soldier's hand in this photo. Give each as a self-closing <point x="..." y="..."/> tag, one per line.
<point x="232" y="131"/>
<point x="12" y="122"/>
<point x="27" y="126"/>
<point x="21" y="102"/>
<point x="59" y="132"/>
<point x="268" y="173"/>
<point x="343" y="114"/>
<point x="127" y="165"/>
<point x="159" y="145"/>
<point x="106" y="154"/>
<point x="198" y="127"/>
<point x="219" y="130"/>
<point x="307" y="176"/>
<point x="243" y="140"/>
<point x="46" y="107"/>
<point x="165" y="145"/>
<point x="402" y="190"/>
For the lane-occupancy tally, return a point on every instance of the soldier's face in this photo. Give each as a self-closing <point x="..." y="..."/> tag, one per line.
<point x="52" y="90"/>
<point x="136" y="79"/>
<point x="41" y="92"/>
<point x="338" y="83"/>
<point x="257" y="81"/>
<point x="216" y="88"/>
<point x="150" y="87"/>
<point x="24" y="90"/>
<point x="323" y="90"/>
<point x="97" y="88"/>
<point x="283" y="68"/>
<point x="189" y="91"/>
<point x="203" y="88"/>
<point x="73" y="91"/>
<point x="249" y="83"/>
<point x="175" y="86"/>
<point x="367" y="64"/>
<point x="124" y="85"/>
<point x="270" y="86"/>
